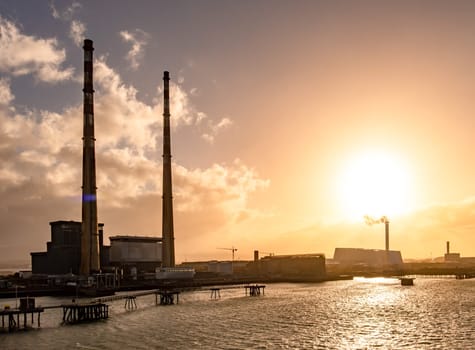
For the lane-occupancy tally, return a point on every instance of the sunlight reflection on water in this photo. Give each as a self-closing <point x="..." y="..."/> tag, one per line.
<point x="359" y="314"/>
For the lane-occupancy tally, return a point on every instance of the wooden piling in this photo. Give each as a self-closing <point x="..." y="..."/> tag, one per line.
<point x="15" y="316"/>
<point x="255" y="290"/>
<point x="215" y="293"/>
<point x="130" y="302"/>
<point x="78" y="313"/>
<point x="166" y="297"/>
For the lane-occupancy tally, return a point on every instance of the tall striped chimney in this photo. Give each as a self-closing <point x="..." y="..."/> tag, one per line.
<point x="168" y="240"/>
<point x="90" y="261"/>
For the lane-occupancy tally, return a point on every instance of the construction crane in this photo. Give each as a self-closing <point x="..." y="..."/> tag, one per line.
<point x="232" y="249"/>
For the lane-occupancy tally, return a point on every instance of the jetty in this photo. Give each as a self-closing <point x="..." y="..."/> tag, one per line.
<point x="78" y="312"/>
<point x="254" y="290"/>
<point x="97" y="309"/>
<point x="17" y="318"/>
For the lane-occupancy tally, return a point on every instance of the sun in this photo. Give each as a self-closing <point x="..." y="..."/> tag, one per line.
<point x="374" y="183"/>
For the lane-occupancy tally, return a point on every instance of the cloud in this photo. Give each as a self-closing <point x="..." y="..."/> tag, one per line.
<point x="215" y="128"/>
<point x="229" y="184"/>
<point x="77" y="31"/>
<point x="138" y="39"/>
<point x="40" y="179"/>
<point x="23" y="54"/>
<point x="6" y="95"/>
<point x="77" y="28"/>
<point x="67" y="13"/>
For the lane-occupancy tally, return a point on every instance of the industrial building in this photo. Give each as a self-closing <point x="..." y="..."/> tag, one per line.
<point x="77" y="247"/>
<point x="136" y="253"/>
<point x="63" y="252"/>
<point x="367" y="257"/>
<point x="450" y="257"/>
<point x="302" y="265"/>
<point x="63" y="255"/>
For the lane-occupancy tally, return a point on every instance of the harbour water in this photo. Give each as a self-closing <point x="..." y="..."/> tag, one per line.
<point x="358" y="314"/>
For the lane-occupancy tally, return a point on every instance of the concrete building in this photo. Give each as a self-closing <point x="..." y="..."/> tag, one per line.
<point x="136" y="253"/>
<point x="451" y="257"/>
<point x="303" y="265"/>
<point x="367" y="257"/>
<point x="63" y="252"/>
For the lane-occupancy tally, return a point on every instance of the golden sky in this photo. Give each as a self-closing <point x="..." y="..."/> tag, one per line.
<point x="291" y="121"/>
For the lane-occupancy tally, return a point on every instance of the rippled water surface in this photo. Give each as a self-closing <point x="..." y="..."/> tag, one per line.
<point x="358" y="314"/>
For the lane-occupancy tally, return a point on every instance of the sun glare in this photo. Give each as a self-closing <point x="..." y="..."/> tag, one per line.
<point x="374" y="183"/>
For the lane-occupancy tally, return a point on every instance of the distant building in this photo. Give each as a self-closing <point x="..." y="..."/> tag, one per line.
<point x="217" y="267"/>
<point x="452" y="257"/>
<point x="367" y="257"/>
<point x="63" y="252"/>
<point x="136" y="253"/>
<point x="303" y="265"/>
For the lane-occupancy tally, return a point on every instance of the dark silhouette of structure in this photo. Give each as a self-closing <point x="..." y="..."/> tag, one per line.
<point x="168" y="244"/>
<point x="386" y="233"/>
<point x="451" y="257"/>
<point x="90" y="259"/>
<point x="292" y="266"/>
<point x="63" y="252"/>
<point x="367" y="257"/>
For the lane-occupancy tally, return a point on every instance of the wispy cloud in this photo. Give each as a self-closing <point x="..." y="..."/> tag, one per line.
<point x="67" y="13"/>
<point x="23" y="54"/>
<point x="215" y="129"/>
<point x="138" y="40"/>
<point x="77" y="28"/>
<point x="6" y="95"/>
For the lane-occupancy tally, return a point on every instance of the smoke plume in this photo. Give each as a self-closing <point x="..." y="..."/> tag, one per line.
<point x="371" y="221"/>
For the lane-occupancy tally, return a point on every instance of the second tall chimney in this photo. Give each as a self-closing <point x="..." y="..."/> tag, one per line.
<point x="168" y="244"/>
<point x="90" y="261"/>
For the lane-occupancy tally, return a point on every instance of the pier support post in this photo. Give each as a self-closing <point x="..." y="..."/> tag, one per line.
<point x="215" y="293"/>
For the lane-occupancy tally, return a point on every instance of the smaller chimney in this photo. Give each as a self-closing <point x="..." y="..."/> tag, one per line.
<point x="101" y="236"/>
<point x="386" y="231"/>
<point x="256" y="255"/>
<point x="448" y="247"/>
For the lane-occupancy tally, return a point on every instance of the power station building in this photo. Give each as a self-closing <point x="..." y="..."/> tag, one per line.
<point x="301" y="265"/>
<point x="136" y="253"/>
<point x="367" y="257"/>
<point x="77" y="247"/>
<point x="63" y="252"/>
